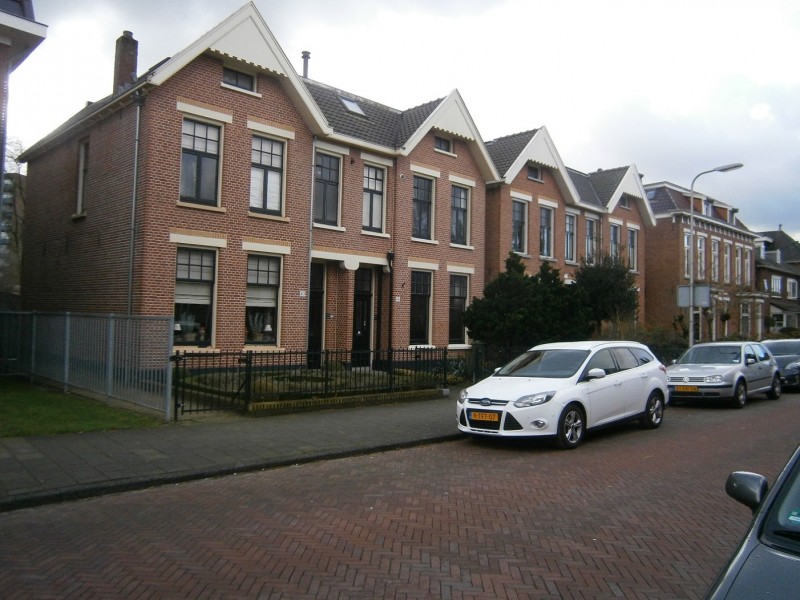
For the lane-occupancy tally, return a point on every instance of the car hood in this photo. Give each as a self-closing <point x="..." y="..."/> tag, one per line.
<point x="700" y="369"/>
<point x="765" y="573"/>
<point x="511" y="388"/>
<point x="785" y="359"/>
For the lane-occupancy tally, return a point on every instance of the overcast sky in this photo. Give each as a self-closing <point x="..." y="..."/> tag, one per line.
<point x="675" y="87"/>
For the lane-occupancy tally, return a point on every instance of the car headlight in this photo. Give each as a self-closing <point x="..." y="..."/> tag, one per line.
<point x="713" y="379"/>
<point x="533" y="399"/>
<point x="792" y="366"/>
<point x="462" y="397"/>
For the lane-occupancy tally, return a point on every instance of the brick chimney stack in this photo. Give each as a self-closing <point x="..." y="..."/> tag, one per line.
<point x="125" y="59"/>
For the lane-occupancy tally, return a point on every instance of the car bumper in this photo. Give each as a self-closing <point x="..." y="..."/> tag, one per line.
<point x="701" y="391"/>
<point x="499" y="421"/>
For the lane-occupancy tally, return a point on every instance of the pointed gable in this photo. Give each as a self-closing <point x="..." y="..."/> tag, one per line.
<point x="514" y="152"/>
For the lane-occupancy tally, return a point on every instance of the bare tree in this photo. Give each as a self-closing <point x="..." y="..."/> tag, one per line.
<point x="12" y="218"/>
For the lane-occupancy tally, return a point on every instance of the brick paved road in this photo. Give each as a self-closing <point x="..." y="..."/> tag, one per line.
<point x="630" y="514"/>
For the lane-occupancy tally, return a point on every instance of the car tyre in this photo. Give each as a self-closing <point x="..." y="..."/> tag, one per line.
<point x="653" y="413"/>
<point x="571" y="427"/>
<point x="740" y="394"/>
<point x="775" y="390"/>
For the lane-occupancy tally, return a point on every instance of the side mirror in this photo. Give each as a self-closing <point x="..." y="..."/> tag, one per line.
<point x="747" y="488"/>
<point x="595" y="374"/>
<point x="750" y="360"/>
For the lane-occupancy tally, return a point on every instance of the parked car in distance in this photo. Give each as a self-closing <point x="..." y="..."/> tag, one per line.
<point x="787" y="355"/>
<point x="563" y="389"/>
<point x="767" y="562"/>
<point x="724" y="370"/>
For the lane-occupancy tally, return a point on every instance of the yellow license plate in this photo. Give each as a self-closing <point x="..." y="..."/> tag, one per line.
<point x="685" y="388"/>
<point x="484" y="416"/>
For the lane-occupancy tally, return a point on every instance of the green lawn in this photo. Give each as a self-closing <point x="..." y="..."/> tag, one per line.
<point x="27" y="409"/>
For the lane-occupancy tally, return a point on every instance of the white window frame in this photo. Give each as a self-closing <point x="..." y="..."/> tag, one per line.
<point x="714" y="259"/>
<point x="83" y="170"/>
<point x="776" y="285"/>
<point x="791" y="289"/>
<point x="571" y="237"/>
<point x="547" y="236"/>
<point x="633" y="248"/>
<point x="524" y="202"/>
<point x="701" y="257"/>
<point x="727" y="261"/>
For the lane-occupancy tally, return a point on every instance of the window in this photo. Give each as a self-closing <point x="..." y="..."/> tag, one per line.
<point x="458" y="304"/>
<point x="238" y="79"/>
<point x="534" y="173"/>
<point x="624" y="202"/>
<point x="83" y="169"/>
<point x="352" y="106"/>
<point x="701" y="258"/>
<point x="326" y="189"/>
<point x="591" y="240"/>
<point x="423" y="208"/>
<point x="687" y="250"/>
<point x="519" y="228"/>
<point x="372" y="217"/>
<point x="194" y="290"/>
<point x="738" y="266"/>
<point x="266" y="175"/>
<point x="747" y="264"/>
<point x="777" y="285"/>
<point x="199" y="162"/>
<point x="420" y="307"/>
<point x="744" y="319"/>
<point x="615" y="241"/>
<point x="442" y="144"/>
<point x="727" y="263"/>
<point x="714" y="260"/>
<point x="545" y="232"/>
<point x="569" y="237"/>
<point x="633" y="249"/>
<point x="791" y="289"/>
<point x="459" y="222"/>
<point x="263" y="291"/>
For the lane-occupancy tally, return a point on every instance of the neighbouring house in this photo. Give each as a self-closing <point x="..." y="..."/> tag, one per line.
<point x="778" y="274"/>
<point x="546" y="212"/>
<point x="725" y="252"/>
<point x="263" y="209"/>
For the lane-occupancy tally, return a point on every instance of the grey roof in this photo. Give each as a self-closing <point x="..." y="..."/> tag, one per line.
<point x="789" y="247"/>
<point x="505" y="150"/>
<point x="665" y="199"/>
<point x="379" y="124"/>
<point x="586" y="189"/>
<point x="606" y="181"/>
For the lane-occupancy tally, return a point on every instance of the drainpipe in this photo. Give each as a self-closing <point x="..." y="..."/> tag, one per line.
<point x="138" y="100"/>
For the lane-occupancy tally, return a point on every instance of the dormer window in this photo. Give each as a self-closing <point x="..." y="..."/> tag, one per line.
<point x="624" y="202"/>
<point x="352" y="106"/>
<point x="237" y="79"/>
<point x="443" y="144"/>
<point x="535" y="172"/>
<point x="708" y="209"/>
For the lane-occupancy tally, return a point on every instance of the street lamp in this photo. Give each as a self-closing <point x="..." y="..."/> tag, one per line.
<point x="722" y="169"/>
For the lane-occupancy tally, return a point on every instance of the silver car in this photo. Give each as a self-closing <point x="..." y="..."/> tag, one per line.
<point x="726" y="371"/>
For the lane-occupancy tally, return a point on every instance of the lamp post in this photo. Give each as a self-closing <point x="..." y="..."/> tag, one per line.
<point x="722" y="169"/>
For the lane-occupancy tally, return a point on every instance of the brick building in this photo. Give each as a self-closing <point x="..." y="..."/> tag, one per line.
<point x="777" y="275"/>
<point x="725" y="254"/>
<point x="262" y="209"/>
<point x="547" y="212"/>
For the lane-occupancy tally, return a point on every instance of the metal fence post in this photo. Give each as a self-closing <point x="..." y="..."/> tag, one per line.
<point x="67" y="324"/>
<point x="248" y="379"/>
<point x="110" y="355"/>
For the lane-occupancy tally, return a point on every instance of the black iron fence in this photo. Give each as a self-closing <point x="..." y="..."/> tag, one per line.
<point x="246" y="380"/>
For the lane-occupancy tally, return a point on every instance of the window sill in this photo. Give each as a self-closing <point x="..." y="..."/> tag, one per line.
<point x="459" y="346"/>
<point x="78" y="216"/>
<point x="421" y="241"/>
<point x="195" y="348"/>
<point x="421" y="347"/>
<point x="217" y="209"/>
<point x="267" y="217"/>
<point x="462" y="246"/>
<point x="329" y="227"/>
<point x="375" y="234"/>
<point x="445" y="152"/>
<point x="521" y="254"/>
<point x="233" y="88"/>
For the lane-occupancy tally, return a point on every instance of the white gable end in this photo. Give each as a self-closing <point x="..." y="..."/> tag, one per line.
<point x="247" y="43"/>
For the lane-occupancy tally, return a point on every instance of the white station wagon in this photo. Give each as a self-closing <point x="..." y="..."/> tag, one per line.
<point x="563" y="389"/>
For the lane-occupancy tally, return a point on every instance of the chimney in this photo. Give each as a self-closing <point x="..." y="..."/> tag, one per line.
<point x="125" y="59"/>
<point x="306" y="56"/>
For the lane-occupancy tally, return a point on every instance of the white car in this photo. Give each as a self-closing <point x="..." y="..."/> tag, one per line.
<point x="563" y="389"/>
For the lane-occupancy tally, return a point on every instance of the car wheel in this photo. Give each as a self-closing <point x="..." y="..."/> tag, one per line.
<point x="571" y="427"/>
<point x="653" y="411"/>
<point x="740" y="395"/>
<point x="775" y="391"/>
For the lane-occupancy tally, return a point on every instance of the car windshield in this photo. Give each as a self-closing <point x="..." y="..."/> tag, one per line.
<point x="711" y="355"/>
<point x="555" y="363"/>
<point x="783" y="348"/>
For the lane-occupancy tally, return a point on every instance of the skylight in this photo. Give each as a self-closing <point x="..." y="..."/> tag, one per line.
<point x="352" y="105"/>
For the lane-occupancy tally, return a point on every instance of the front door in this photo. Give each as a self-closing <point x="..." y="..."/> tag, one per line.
<point x="316" y="315"/>
<point x="362" y="318"/>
